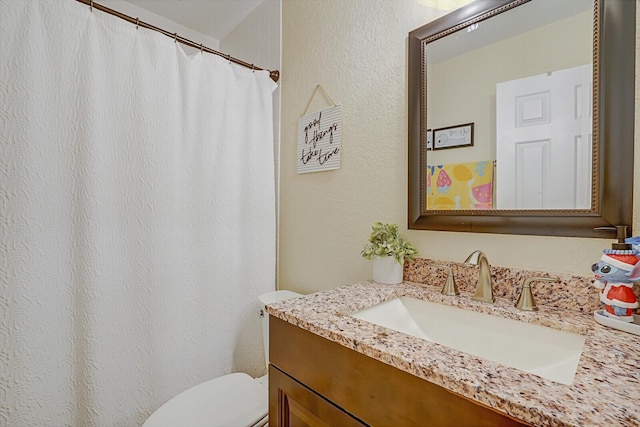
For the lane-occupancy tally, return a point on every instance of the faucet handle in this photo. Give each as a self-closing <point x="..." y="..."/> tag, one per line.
<point x="450" y="288"/>
<point x="525" y="300"/>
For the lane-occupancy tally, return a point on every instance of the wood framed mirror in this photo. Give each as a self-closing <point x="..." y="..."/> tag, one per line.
<point x="606" y="198"/>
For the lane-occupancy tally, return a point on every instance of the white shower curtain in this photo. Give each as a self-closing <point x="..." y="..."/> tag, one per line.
<point x="137" y="216"/>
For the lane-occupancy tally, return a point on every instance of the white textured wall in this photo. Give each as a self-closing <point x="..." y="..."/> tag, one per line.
<point x="135" y="11"/>
<point x="356" y="49"/>
<point x="257" y="38"/>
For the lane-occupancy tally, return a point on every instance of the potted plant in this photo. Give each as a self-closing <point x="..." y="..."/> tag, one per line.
<point x="388" y="250"/>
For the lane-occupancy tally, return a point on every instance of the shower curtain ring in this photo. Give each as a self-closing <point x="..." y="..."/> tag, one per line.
<point x="137" y="22"/>
<point x="91" y="6"/>
<point x="201" y="47"/>
<point x="175" y="37"/>
<point x="229" y="58"/>
<point x="253" y="69"/>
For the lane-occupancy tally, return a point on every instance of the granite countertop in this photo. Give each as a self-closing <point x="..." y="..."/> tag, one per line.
<point x="605" y="390"/>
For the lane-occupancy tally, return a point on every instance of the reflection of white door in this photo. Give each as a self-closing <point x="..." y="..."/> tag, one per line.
<point x="543" y="147"/>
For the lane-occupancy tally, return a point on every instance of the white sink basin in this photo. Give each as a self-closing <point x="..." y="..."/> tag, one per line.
<point x="536" y="349"/>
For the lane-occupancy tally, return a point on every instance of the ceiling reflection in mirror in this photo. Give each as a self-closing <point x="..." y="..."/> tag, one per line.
<point x="509" y="111"/>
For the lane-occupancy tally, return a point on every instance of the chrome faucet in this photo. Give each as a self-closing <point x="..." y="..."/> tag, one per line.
<point x="484" y="286"/>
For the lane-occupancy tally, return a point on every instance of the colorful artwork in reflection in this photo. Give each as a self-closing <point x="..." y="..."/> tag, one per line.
<point x="460" y="186"/>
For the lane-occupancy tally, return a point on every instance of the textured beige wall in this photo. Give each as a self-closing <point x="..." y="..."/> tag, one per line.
<point x="356" y="50"/>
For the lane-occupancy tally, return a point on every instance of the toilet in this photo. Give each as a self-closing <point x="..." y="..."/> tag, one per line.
<point x="234" y="400"/>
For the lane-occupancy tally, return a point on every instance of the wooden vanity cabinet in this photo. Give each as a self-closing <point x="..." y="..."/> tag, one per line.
<point x="316" y="382"/>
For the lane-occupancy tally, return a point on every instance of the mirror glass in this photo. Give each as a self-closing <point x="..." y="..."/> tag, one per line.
<point x="521" y="118"/>
<point x="524" y="80"/>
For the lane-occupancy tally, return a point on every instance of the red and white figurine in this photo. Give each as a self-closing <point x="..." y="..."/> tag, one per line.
<point x="615" y="274"/>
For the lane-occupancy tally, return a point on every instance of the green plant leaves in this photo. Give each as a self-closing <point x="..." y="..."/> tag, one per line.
<point x="384" y="240"/>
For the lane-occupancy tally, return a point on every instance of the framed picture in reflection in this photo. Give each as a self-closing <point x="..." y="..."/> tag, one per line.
<point x="453" y="137"/>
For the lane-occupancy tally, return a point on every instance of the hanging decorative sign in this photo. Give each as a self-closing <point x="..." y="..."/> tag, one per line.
<point x="319" y="140"/>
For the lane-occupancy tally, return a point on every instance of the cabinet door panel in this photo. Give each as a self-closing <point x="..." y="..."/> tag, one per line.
<point x="294" y="405"/>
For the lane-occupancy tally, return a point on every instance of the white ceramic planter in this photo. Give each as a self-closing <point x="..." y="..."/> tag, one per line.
<point x="387" y="270"/>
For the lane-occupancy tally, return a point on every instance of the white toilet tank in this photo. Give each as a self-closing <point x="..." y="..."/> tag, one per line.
<point x="270" y="298"/>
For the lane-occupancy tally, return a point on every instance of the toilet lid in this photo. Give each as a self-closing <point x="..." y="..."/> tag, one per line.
<point x="277" y="296"/>
<point x="230" y="401"/>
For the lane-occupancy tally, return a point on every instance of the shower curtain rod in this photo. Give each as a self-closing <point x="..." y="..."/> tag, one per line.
<point x="275" y="74"/>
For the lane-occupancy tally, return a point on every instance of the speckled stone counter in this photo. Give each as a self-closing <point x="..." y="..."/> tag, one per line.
<point x="605" y="390"/>
<point x="569" y="292"/>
